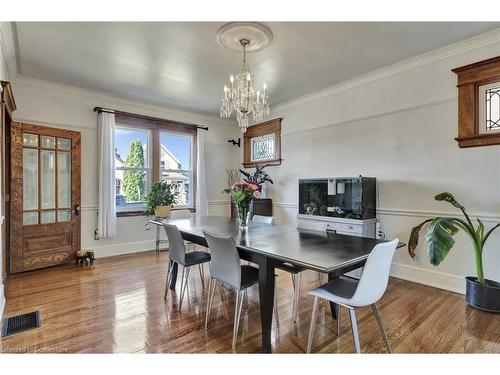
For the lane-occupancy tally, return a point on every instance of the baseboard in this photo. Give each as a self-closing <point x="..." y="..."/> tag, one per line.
<point x="124" y="248"/>
<point x="432" y="278"/>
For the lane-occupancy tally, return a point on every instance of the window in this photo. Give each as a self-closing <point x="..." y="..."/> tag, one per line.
<point x="489" y="110"/>
<point x="479" y="103"/>
<point x="149" y="150"/>
<point x="263" y="148"/>
<point x="176" y="155"/>
<point x="132" y="167"/>
<point x="262" y="144"/>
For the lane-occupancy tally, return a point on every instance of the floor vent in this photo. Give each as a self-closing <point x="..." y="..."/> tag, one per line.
<point x="20" y="323"/>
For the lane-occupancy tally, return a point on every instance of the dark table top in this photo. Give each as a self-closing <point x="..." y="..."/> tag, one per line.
<point x="319" y="251"/>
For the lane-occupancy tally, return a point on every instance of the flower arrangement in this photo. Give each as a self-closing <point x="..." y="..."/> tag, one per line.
<point x="242" y="194"/>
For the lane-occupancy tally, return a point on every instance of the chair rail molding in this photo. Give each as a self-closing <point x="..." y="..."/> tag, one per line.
<point x="486" y="217"/>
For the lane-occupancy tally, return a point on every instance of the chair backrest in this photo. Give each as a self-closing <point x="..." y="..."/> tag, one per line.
<point x="225" y="263"/>
<point x="375" y="276"/>
<point x="176" y="247"/>
<point x="263" y="219"/>
<point x="180" y="214"/>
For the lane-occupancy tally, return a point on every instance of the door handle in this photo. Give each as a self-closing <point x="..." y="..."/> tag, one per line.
<point x="77" y="210"/>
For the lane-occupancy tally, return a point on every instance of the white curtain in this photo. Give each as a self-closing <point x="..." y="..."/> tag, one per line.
<point x="201" y="185"/>
<point x="106" y="221"/>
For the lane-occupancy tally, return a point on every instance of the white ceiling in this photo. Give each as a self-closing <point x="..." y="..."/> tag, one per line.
<point x="181" y="64"/>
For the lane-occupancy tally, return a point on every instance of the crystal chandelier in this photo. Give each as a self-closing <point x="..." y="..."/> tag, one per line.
<point x="240" y="96"/>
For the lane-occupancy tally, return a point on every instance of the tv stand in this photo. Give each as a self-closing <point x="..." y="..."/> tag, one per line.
<point x="351" y="227"/>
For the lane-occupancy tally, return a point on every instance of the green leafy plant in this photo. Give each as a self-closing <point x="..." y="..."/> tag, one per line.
<point x="161" y="194"/>
<point x="258" y="177"/>
<point x="440" y="234"/>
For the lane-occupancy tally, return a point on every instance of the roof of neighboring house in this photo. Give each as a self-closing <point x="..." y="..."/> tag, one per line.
<point x="167" y="151"/>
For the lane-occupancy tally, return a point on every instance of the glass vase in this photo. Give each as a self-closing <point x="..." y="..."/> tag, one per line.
<point x="244" y="213"/>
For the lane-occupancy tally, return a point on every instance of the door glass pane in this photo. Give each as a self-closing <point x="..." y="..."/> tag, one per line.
<point x="48" y="142"/>
<point x="48" y="179"/>
<point x="30" y="139"/>
<point x="63" y="215"/>
<point x="64" y="144"/>
<point x="64" y="184"/>
<point x="30" y="218"/>
<point x="30" y="179"/>
<point x="47" y="217"/>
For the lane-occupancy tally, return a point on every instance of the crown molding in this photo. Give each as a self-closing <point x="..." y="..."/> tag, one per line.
<point x="457" y="48"/>
<point x="7" y="45"/>
<point x="170" y="112"/>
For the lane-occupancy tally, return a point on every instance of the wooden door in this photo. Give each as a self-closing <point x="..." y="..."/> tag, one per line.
<point x="45" y="196"/>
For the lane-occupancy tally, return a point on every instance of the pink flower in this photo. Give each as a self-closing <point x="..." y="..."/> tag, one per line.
<point x="256" y="194"/>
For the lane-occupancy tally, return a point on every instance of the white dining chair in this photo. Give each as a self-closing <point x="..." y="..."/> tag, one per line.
<point x="263" y="219"/>
<point x="352" y="293"/>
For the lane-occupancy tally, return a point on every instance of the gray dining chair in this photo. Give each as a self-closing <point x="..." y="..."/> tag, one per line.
<point x="183" y="214"/>
<point x="225" y="267"/>
<point x="178" y="254"/>
<point x="353" y="293"/>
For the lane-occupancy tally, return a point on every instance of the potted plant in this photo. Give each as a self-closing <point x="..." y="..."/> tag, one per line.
<point x="481" y="293"/>
<point x="259" y="177"/>
<point x="243" y="194"/>
<point x="160" y="199"/>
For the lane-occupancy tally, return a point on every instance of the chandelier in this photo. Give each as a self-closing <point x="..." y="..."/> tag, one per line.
<point x="241" y="97"/>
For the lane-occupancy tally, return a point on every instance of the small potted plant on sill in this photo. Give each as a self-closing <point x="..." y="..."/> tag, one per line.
<point x="160" y="200"/>
<point x="481" y="293"/>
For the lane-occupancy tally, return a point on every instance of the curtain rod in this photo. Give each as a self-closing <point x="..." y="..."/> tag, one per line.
<point x="114" y="111"/>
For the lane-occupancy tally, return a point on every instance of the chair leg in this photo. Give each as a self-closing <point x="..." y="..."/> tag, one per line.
<point x="296" y="295"/>
<point x="355" y="333"/>
<point x="339" y="314"/>
<point x="245" y="300"/>
<point x="276" y="316"/>
<point x="381" y="327"/>
<point x="210" y="299"/>
<point x="221" y="291"/>
<point x="237" y="315"/>
<point x="200" y="266"/>
<point x="313" y="324"/>
<point x="167" y="283"/>
<point x="183" y="291"/>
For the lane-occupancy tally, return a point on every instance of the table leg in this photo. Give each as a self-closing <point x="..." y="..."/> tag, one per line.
<point x="266" y="299"/>
<point x="333" y="306"/>
<point x="174" y="276"/>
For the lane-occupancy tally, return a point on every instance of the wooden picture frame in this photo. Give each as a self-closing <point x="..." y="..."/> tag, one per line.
<point x="470" y="78"/>
<point x="258" y="130"/>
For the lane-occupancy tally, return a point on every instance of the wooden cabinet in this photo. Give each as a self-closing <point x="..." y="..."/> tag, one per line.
<point x="262" y="207"/>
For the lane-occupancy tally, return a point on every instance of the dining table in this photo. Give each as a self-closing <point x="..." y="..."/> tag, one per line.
<point x="269" y="245"/>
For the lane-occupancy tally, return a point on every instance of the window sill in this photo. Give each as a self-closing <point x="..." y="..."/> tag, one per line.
<point x="141" y="213"/>
<point x="252" y="164"/>
<point x="479" y="140"/>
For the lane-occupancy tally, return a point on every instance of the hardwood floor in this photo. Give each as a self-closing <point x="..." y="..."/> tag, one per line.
<point x="117" y="306"/>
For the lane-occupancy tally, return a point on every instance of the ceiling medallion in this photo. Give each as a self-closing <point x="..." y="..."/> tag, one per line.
<point x="240" y="96"/>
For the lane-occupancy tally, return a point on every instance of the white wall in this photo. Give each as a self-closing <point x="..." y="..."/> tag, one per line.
<point x="50" y="104"/>
<point x="398" y="124"/>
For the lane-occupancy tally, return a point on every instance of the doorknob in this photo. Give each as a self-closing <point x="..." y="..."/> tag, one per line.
<point x="77" y="210"/>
